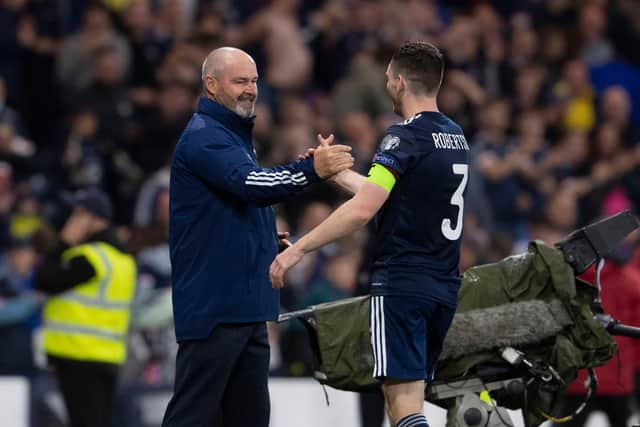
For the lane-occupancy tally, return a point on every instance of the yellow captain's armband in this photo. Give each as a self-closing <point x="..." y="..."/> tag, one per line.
<point x="381" y="176"/>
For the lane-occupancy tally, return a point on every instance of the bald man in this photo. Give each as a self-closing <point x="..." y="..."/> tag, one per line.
<point x="222" y="239"/>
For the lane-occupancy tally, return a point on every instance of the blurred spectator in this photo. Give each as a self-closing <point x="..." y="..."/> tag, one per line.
<point x="25" y="219"/>
<point x="288" y="59"/>
<point x="106" y="96"/>
<point x="181" y="66"/>
<point x="529" y="90"/>
<point x="592" y="23"/>
<point x="456" y="105"/>
<point x="8" y="115"/>
<point x="497" y="72"/>
<point x="91" y="282"/>
<point x="615" y="108"/>
<point x="16" y="151"/>
<point x="147" y="43"/>
<point x="291" y="140"/>
<point x="555" y="12"/>
<point x="82" y="161"/>
<point x="309" y="269"/>
<point x="7" y="193"/>
<point x="147" y="197"/>
<point x="359" y="131"/>
<point x="361" y="89"/>
<point x="17" y="308"/>
<point x="79" y="50"/>
<point x="576" y="96"/>
<point x="560" y="217"/>
<point x="152" y="248"/>
<point x="475" y="241"/>
<point x="524" y="41"/>
<point x="556" y="48"/>
<point x="338" y="282"/>
<point x="608" y="164"/>
<point x="263" y="128"/>
<point x="462" y="44"/>
<point x="531" y="142"/>
<point x="333" y="44"/>
<point x="161" y="127"/>
<point x="500" y="163"/>
<point x="623" y="28"/>
<point x="568" y="156"/>
<point x="294" y="111"/>
<point x="175" y="17"/>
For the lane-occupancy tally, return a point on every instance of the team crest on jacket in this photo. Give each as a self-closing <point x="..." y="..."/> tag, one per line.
<point x="389" y="142"/>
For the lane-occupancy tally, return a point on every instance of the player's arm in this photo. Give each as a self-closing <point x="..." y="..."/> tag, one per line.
<point x="349" y="217"/>
<point x="349" y="181"/>
<point x="226" y="166"/>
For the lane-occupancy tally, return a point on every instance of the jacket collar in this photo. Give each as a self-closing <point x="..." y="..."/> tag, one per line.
<point x="228" y="118"/>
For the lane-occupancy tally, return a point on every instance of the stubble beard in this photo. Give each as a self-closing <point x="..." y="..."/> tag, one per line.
<point x="245" y="112"/>
<point x="236" y="106"/>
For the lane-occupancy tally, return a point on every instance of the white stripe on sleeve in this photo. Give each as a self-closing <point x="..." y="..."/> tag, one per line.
<point x="265" y="179"/>
<point x="384" y="338"/>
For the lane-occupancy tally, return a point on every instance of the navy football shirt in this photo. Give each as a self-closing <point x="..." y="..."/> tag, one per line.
<point x="418" y="230"/>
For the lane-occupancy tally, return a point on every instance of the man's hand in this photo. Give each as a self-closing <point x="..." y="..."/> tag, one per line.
<point x="307" y="154"/>
<point x="75" y="230"/>
<point x="321" y="141"/>
<point x="330" y="159"/>
<point x="283" y="242"/>
<point x="282" y="264"/>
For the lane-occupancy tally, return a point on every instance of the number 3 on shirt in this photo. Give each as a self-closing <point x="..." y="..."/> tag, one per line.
<point x="456" y="200"/>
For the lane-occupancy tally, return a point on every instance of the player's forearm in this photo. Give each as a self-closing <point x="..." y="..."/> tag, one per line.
<point x="343" y="221"/>
<point x="349" y="181"/>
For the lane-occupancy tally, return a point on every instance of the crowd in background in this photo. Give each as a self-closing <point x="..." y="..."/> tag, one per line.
<point x="97" y="94"/>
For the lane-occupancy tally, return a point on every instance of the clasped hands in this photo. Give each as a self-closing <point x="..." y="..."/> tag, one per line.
<point x="329" y="160"/>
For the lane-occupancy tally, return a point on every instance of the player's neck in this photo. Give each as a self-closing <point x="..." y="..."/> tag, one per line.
<point x="413" y="105"/>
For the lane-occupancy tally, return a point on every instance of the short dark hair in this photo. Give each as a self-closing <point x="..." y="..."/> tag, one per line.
<point x="422" y="64"/>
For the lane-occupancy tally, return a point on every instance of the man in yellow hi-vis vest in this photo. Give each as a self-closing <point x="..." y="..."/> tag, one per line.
<point x="86" y="320"/>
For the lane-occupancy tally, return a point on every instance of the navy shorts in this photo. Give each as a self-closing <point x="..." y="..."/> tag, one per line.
<point x="407" y="335"/>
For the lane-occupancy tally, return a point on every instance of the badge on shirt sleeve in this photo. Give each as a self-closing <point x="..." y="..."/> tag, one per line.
<point x="389" y="142"/>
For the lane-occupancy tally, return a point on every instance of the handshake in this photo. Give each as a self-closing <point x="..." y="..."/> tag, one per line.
<point x="329" y="160"/>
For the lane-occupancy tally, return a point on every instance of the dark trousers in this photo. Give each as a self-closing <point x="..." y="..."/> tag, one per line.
<point x="88" y="390"/>
<point x="222" y="380"/>
<point x="615" y="407"/>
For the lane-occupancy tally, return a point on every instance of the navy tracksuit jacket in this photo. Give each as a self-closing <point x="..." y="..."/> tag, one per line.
<point x="222" y="230"/>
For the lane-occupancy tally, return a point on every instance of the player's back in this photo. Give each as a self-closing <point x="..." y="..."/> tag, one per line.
<point x="418" y="231"/>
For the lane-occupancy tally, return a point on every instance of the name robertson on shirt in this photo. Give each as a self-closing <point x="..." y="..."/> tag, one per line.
<point x="450" y="141"/>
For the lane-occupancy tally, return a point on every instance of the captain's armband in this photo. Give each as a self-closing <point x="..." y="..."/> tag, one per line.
<point x="380" y="175"/>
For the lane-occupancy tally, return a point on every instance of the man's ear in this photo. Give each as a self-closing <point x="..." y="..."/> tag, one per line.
<point x="402" y="84"/>
<point x="211" y="84"/>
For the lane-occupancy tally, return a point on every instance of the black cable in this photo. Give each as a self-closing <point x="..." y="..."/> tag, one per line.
<point x="525" y="401"/>
<point x="495" y="407"/>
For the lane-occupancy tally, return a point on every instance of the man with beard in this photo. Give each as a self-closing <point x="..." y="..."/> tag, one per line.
<point x="222" y="238"/>
<point x="416" y="185"/>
